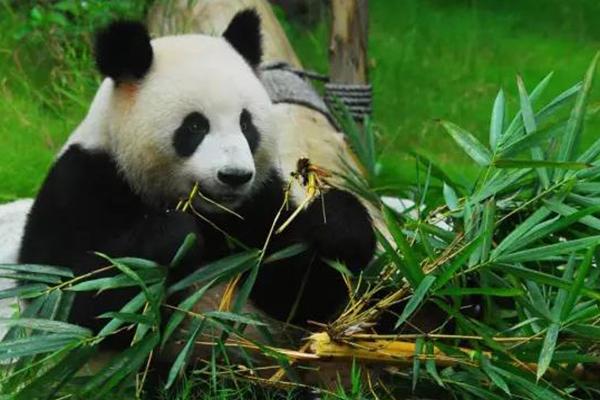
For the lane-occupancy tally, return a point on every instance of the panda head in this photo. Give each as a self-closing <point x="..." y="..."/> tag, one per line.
<point x="186" y="109"/>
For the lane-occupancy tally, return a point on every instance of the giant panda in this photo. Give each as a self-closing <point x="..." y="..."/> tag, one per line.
<point x="172" y="112"/>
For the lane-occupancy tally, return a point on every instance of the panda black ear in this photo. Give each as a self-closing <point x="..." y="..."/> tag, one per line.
<point x="123" y="51"/>
<point x="243" y="33"/>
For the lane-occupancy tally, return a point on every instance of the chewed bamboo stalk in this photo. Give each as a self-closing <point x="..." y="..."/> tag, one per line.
<point x="381" y="351"/>
<point x="314" y="180"/>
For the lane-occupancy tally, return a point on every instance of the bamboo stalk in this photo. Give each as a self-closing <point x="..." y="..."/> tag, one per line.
<point x="380" y="351"/>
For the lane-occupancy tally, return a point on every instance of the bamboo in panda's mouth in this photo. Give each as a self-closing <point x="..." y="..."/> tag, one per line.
<point x="313" y="178"/>
<point x="185" y="204"/>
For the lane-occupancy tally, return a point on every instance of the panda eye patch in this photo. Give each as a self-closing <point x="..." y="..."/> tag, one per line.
<point x="249" y="129"/>
<point x="190" y="134"/>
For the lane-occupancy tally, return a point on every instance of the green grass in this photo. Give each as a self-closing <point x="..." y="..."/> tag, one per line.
<point x="47" y="80"/>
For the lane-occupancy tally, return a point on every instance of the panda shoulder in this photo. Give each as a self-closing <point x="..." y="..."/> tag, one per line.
<point x="92" y="132"/>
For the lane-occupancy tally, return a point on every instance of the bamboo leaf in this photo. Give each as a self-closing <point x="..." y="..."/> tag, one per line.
<point x="487" y="228"/>
<point x="38" y="269"/>
<point x="483" y="291"/>
<point x="575" y="123"/>
<point x="184" y="355"/>
<point x="494" y="377"/>
<point x="130" y="273"/>
<point x="572" y="215"/>
<point x="419" y="342"/>
<point x="513" y="163"/>
<point x="138" y="263"/>
<point x="544" y="252"/>
<point x="586" y="330"/>
<point x="497" y="121"/>
<point x="179" y="315"/>
<point x="548" y="347"/>
<point x="37" y="344"/>
<point x="31" y="311"/>
<point x="578" y="284"/>
<point x="526" y="108"/>
<point x="46" y="326"/>
<point x="591" y="154"/>
<point x="450" y="197"/>
<point x="533" y="389"/>
<point x="468" y="143"/>
<point x="430" y="364"/>
<point x="499" y="183"/>
<point x="286" y="253"/>
<point x="544" y="278"/>
<point x="339" y="267"/>
<point x="46" y="385"/>
<point x="119" y="368"/>
<point x="527" y="142"/>
<point x="24" y="291"/>
<point x="590" y="173"/>
<point x="244" y="292"/>
<point x="148" y="276"/>
<point x="38" y="278"/>
<point x="129" y="317"/>
<point x="412" y="270"/>
<point x="416" y="299"/>
<point x="228" y="316"/>
<point x="236" y="263"/>
<point x="542" y="230"/>
<point x="132" y="306"/>
<point x="548" y="110"/>
<point x="458" y="262"/>
<point x="188" y="242"/>
<point x="516" y="123"/>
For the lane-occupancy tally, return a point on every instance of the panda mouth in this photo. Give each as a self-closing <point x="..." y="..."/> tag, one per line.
<point x="224" y="198"/>
<point x="227" y="198"/>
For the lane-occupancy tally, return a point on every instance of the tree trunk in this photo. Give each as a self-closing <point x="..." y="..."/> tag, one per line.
<point x="348" y="44"/>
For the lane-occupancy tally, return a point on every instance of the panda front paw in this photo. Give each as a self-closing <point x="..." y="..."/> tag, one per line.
<point x="340" y="228"/>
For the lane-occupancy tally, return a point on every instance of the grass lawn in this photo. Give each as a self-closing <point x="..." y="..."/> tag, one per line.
<point x="431" y="59"/>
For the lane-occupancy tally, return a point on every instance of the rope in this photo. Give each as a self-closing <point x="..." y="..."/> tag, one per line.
<point x="357" y="98"/>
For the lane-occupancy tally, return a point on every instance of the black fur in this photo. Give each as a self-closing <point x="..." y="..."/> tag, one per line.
<point x="190" y="134"/>
<point x="123" y="51"/>
<point x="243" y="33"/>
<point x="85" y="205"/>
<point x="249" y="130"/>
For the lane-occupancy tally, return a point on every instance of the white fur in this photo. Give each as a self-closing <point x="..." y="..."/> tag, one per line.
<point x="92" y="131"/>
<point x="136" y="122"/>
<point x="12" y="224"/>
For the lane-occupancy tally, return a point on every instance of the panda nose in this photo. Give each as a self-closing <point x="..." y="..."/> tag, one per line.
<point x="234" y="177"/>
